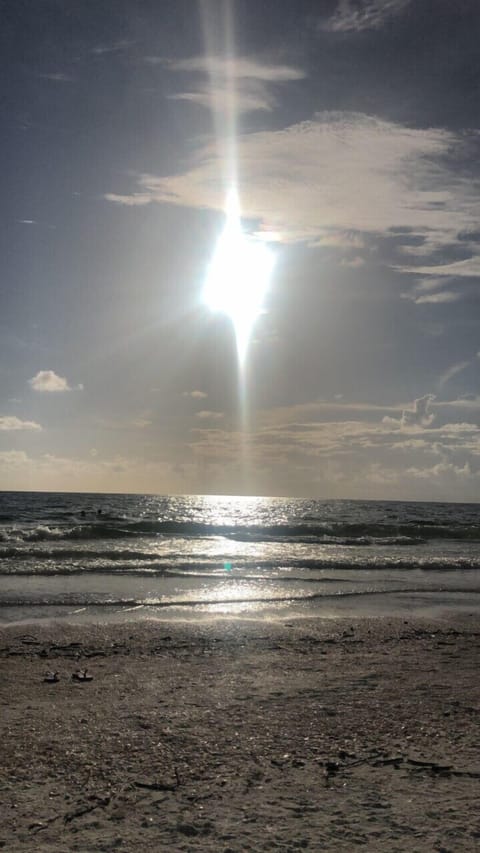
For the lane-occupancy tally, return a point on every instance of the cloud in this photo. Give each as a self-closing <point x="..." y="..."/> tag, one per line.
<point x="359" y="15"/>
<point x="428" y="291"/>
<point x="218" y="99"/>
<point x="420" y="414"/>
<point x="445" y="468"/>
<point x="241" y="84"/>
<point x="343" y="240"/>
<point x="141" y="423"/>
<point x="442" y="297"/>
<point x="470" y="268"/>
<point x="13" y="458"/>
<point x="468" y="398"/>
<point x="339" y="457"/>
<point x="48" y="380"/>
<point x="346" y="173"/>
<point x="196" y="395"/>
<point x="325" y="410"/>
<point x="12" y="423"/>
<point x="355" y="262"/>
<point x="212" y="416"/>
<point x="238" y="68"/>
<point x="134" y="200"/>
<point x="114" y="47"/>
<point x="425" y="482"/>
<point x="58" y="77"/>
<point x="49" y="472"/>
<point x="452" y="371"/>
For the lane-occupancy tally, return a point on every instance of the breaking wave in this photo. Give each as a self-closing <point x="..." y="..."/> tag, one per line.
<point x="337" y="533"/>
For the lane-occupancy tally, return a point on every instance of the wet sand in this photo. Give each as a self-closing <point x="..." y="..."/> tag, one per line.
<point x="235" y="735"/>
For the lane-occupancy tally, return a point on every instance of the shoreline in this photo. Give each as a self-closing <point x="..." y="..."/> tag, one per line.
<point x="423" y="604"/>
<point x="234" y="734"/>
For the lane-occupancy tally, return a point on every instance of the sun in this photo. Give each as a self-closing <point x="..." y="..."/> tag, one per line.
<point x="238" y="276"/>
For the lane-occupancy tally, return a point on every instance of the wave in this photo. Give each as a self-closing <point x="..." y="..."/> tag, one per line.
<point x="25" y="554"/>
<point x="157" y="603"/>
<point x="138" y="565"/>
<point x="13" y="552"/>
<point x="406" y="533"/>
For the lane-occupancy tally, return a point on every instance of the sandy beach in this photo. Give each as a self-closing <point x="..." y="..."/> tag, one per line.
<point x="242" y="735"/>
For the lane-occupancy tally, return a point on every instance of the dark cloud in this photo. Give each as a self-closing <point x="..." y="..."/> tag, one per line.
<point x="420" y="414"/>
<point x="469" y="236"/>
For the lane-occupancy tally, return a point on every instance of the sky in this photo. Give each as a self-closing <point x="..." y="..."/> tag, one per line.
<point x="350" y="131"/>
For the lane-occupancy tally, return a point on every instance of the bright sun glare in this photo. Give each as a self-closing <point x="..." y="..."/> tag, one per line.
<point x="238" y="276"/>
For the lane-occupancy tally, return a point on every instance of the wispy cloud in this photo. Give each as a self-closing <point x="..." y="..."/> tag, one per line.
<point x="430" y="291"/>
<point x="113" y="47"/>
<point x="58" y="77"/>
<point x="196" y="395"/>
<point x="359" y="15"/>
<point x="465" y="402"/>
<point x="441" y="297"/>
<point x="12" y="458"/>
<point x="49" y="381"/>
<point x="133" y="200"/>
<point x="355" y="262"/>
<point x="141" y="423"/>
<point x="469" y="268"/>
<point x="10" y="423"/>
<point x="219" y="98"/>
<point x="452" y="371"/>
<point x="205" y="415"/>
<point x="238" y="68"/>
<point x="216" y="77"/>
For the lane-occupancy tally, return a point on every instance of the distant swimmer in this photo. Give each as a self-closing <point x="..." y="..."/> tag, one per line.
<point x="82" y="513"/>
<point x="99" y="511"/>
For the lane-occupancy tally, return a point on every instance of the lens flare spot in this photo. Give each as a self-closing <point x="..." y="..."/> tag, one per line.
<point x="239" y="276"/>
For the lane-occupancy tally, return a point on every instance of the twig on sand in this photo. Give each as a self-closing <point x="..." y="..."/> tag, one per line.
<point x="99" y="802"/>
<point x="85" y="808"/>
<point x="38" y="825"/>
<point x="160" y="786"/>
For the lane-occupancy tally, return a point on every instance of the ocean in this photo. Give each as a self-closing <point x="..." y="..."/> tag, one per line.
<point x="117" y="557"/>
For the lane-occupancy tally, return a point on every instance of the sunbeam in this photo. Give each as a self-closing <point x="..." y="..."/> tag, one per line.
<point x="240" y="270"/>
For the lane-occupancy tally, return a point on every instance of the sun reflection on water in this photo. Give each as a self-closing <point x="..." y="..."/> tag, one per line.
<point x="234" y="597"/>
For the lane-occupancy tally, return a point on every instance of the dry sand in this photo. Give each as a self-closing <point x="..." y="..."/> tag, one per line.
<point x="229" y="736"/>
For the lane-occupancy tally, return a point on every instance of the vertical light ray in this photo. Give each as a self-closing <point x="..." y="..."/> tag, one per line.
<point x="239" y="273"/>
<point x="219" y="39"/>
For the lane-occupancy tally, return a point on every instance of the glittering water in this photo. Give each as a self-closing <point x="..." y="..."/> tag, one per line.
<point x="104" y="556"/>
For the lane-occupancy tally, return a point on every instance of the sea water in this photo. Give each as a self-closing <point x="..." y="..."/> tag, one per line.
<point x="91" y="556"/>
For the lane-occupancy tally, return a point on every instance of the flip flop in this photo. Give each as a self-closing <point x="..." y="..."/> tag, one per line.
<point x="81" y="675"/>
<point x="51" y="677"/>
